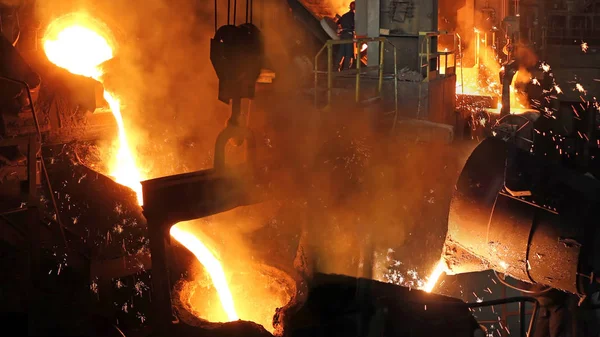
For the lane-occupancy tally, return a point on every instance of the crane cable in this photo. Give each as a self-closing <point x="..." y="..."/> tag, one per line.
<point x="231" y="19"/>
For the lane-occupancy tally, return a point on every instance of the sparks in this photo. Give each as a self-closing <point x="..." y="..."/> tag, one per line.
<point x="78" y="44"/>
<point x="558" y="89"/>
<point x="584" y="47"/>
<point x="545" y="67"/>
<point x="439" y="269"/>
<point x="580" y="88"/>
<point x="212" y="265"/>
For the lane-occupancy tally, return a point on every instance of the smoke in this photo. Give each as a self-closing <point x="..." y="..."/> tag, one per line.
<point x="344" y="185"/>
<point x="11" y="3"/>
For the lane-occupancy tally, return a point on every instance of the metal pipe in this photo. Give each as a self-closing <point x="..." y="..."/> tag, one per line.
<point x="536" y="306"/>
<point x="395" y="89"/>
<point x="428" y="56"/>
<point x="358" y="66"/>
<point x="521" y="319"/>
<point x="506" y="77"/>
<point x="228" y="11"/>
<point x="381" y="55"/>
<point x="329" y="71"/>
<point x="316" y="70"/>
<point x="247" y="9"/>
<point x="162" y="315"/>
<point x="234" y="11"/>
<point x="502" y="301"/>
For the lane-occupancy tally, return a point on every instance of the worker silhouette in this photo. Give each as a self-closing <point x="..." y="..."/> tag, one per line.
<point x="346" y="32"/>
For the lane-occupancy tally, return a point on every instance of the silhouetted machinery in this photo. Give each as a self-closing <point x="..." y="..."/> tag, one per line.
<point x="526" y="205"/>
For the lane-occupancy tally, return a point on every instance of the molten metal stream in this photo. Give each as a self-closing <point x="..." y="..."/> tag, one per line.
<point x="81" y="47"/>
<point x="81" y="50"/>
<point x="212" y="265"/>
<point x="439" y="269"/>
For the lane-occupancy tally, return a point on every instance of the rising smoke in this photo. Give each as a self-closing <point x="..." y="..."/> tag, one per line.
<point x="344" y="183"/>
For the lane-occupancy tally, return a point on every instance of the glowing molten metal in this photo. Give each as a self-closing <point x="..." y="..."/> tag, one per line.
<point x="212" y="265"/>
<point x="439" y="269"/>
<point x="79" y="47"/>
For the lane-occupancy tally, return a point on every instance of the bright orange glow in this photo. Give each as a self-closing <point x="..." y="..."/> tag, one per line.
<point x="212" y="265"/>
<point x="439" y="269"/>
<point x="79" y="50"/>
<point x="340" y="7"/>
<point x="80" y="45"/>
<point x="483" y="80"/>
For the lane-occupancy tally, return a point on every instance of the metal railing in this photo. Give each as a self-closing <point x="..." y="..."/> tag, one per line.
<point x="359" y="69"/>
<point x="426" y="55"/>
<point x="31" y="166"/>
<point x="524" y="330"/>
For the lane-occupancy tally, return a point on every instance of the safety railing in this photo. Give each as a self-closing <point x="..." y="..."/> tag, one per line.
<point x="360" y="70"/>
<point x="428" y="59"/>
<point x="32" y="172"/>
<point x="525" y="330"/>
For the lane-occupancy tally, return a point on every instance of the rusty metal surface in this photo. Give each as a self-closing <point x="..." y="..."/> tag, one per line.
<point x="544" y="237"/>
<point x="199" y="194"/>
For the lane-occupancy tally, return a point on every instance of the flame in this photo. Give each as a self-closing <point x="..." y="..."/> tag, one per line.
<point x="439" y="269"/>
<point x="483" y="80"/>
<point x="80" y="45"/>
<point x="212" y="265"/>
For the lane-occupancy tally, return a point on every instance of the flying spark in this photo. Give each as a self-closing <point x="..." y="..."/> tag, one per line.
<point x="580" y="88"/>
<point x="584" y="47"/>
<point x="558" y="89"/>
<point x="545" y="67"/>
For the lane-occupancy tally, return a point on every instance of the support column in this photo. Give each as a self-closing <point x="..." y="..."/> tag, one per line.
<point x="161" y="290"/>
<point x="34" y="236"/>
<point x="367" y="24"/>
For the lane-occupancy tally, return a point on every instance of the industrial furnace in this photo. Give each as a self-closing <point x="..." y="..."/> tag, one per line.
<point x="176" y="278"/>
